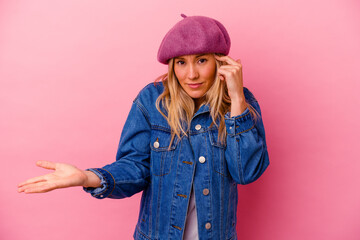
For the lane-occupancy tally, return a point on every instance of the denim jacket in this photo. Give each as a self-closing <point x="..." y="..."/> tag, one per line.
<point x="144" y="162"/>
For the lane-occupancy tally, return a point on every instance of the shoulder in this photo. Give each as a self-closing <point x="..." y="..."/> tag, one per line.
<point x="249" y="96"/>
<point x="150" y="92"/>
<point x="146" y="98"/>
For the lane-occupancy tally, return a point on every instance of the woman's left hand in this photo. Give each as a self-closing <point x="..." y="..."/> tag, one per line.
<point x="232" y="74"/>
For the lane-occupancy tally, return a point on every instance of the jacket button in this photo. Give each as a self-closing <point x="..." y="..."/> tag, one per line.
<point x="201" y="159"/>
<point x="198" y="127"/>
<point x="206" y="191"/>
<point x="156" y="144"/>
<point x="208" y="226"/>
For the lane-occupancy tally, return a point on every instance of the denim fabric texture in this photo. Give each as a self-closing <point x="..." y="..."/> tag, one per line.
<point x="145" y="163"/>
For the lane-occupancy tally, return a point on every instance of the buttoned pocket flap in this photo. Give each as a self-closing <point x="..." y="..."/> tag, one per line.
<point x="160" y="141"/>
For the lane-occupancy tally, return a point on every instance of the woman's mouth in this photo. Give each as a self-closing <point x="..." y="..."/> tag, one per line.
<point x="194" y="85"/>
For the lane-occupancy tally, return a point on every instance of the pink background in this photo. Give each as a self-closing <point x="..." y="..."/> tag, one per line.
<point x="69" y="71"/>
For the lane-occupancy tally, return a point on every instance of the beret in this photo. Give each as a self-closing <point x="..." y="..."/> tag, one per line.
<point x="194" y="35"/>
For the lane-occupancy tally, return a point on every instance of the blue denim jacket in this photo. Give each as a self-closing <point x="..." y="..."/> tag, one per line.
<point x="145" y="163"/>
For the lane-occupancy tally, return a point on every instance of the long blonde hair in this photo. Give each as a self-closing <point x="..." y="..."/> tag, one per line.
<point x="179" y="107"/>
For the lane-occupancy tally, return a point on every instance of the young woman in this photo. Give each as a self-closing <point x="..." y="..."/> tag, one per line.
<point x="189" y="139"/>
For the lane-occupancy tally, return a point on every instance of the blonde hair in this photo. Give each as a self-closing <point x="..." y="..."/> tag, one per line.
<point x="179" y="107"/>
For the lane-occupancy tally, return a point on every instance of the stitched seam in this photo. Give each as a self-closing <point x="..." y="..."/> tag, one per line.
<point x="242" y="116"/>
<point x="158" y="127"/>
<point x="151" y="208"/>
<point x="228" y="216"/>
<point x="143" y="233"/>
<point x="245" y="130"/>
<point x="143" y="212"/>
<point x="221" y="206"/>
<point x="129" y="181"/>
<point x="236" y="118"/>
<point x="162" y="160"/>
<point x="143" y="110"/>
<point x="240" y="169"/>
<point x="213" y="158"/>
<point x="162" y="149"/>
<point x="158" y="207"/>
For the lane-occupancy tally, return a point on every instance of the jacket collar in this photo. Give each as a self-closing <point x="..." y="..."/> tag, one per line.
<point x="203" y="109"/>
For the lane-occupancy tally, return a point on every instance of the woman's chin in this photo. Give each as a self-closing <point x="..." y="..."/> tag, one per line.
<point x="196" y="94"/>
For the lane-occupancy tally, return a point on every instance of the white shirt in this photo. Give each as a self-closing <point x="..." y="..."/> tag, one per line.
<point x="191" y="226"/>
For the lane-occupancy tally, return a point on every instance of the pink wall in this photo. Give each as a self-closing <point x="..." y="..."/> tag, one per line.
<point x="69" y="71"/>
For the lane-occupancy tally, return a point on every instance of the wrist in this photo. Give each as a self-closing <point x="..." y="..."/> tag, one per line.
<point x="238" y="106"/>
<point x="91" y="180"/>
<point x="237" y="96"/>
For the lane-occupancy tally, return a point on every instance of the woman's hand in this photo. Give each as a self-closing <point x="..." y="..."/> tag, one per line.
<point x="65" y="175"/>
<point x="232" y="74"/>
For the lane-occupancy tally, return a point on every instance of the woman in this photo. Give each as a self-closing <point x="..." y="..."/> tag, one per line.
<point x="187" y="142"/>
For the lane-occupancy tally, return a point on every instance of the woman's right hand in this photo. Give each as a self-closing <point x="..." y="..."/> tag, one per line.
<point x="64" y="175"/>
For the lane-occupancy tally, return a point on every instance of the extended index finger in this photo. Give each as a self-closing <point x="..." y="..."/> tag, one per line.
<point x="227" y="59"/>
<point x="33" y="180"/>
<point x="43" y="164"/>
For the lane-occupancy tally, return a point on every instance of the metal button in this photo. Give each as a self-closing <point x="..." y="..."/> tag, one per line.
<point x="206" y="191"/>
<point x="201" y="159"/>
<point x="101" y="195"/>
<point x="156" y="144"/>
<point x="230" y="127"/>
<point x="208" y="226"/>
<point x="198" y="127"/>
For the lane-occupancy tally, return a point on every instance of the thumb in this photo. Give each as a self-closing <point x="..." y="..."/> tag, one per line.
<point x="46" y="164"/>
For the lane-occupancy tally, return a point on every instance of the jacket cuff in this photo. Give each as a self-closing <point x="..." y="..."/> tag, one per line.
<point x="239" y="124"/>
<point x="107" y="183"/>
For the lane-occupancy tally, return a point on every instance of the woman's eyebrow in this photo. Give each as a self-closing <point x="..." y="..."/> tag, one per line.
<point x="200" y="55"/>
<point x="196" y="56"/>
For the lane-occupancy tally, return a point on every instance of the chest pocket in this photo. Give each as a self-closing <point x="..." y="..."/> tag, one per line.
<point x="218" y="153"/>
<point x="161" y="155"/>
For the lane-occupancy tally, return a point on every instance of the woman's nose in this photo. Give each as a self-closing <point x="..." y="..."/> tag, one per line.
<point x="193" y="73"/>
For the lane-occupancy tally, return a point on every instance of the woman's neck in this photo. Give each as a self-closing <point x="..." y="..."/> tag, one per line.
<point x="198" y="102"/>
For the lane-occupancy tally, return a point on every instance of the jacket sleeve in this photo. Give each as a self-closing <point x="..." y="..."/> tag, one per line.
<point x="130" y="173"/>
<point x="246" y="152"/>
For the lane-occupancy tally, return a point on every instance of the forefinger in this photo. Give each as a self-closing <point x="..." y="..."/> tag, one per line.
<point x="227" y="59"/>
<point x="33" y="180"/>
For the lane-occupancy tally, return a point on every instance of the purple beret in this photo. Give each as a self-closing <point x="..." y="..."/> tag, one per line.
<point x="194" y="35"/>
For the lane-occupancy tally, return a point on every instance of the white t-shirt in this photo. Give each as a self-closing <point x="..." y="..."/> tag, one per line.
<point x="191" y="226"/>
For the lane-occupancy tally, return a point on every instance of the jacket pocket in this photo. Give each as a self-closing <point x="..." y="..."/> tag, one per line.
<point x="161" y="154"/>
<point x="218" y="153"/>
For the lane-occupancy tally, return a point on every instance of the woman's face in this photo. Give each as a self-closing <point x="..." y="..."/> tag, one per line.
<point x="196" y="74"/>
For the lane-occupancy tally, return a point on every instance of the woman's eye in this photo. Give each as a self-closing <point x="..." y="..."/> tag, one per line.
<point x="202" y="60"/>
<point x="180" y="62"/>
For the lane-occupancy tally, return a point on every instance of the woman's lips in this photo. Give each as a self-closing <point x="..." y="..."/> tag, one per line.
<point x="194" y="85"/>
